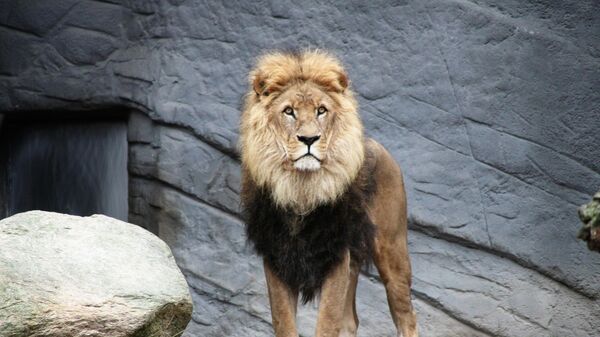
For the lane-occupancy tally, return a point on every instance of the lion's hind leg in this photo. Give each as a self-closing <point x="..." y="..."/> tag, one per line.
<point x="393" y="264"/>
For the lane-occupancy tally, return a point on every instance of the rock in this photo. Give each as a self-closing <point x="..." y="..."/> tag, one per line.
<point x="496" y="295"/>
<point x="83" y="46"/>
<point x="63" y="276"/>
<point x="590" y="216"/>
<point x="36" y="16"/>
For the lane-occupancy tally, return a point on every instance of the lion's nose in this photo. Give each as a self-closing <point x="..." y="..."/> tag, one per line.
<point x="308" y="140"/>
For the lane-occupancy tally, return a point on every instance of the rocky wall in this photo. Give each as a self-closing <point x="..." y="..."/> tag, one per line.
<point x="490" y="107"/>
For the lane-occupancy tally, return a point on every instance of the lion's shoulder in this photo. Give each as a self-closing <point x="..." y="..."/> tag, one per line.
<point x="385" y="169"/>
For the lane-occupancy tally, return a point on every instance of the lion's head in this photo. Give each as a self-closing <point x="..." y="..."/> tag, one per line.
<point x="301" y="135"/>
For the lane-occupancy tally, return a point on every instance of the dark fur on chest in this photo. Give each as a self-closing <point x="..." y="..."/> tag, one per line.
<point x="302" y="251"/>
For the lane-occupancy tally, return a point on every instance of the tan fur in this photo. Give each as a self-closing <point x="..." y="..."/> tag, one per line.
<point x="267" y="147"/>
<point x="270" y="149"/>
<point x="388" y="213"/>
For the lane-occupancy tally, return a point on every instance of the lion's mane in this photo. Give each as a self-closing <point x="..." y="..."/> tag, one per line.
<point x="261" y="145"/>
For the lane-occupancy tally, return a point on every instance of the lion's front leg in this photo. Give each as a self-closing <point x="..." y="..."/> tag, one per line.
<point x="333" y="298"/>
<point x="283" y="303"/>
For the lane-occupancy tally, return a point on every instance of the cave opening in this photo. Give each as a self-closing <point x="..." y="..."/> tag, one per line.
<point x="67" y="162"/>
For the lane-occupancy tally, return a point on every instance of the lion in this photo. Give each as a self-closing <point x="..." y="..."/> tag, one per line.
<point x="318" y="198"/>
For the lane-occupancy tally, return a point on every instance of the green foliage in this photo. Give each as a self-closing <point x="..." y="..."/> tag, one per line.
<point x="590" y="216"/>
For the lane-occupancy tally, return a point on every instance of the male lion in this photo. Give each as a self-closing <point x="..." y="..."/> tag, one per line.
<point x="319" y="199"/>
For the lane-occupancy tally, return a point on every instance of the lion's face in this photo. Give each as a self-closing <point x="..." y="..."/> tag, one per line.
<point x="300" y="132"/>
<point x="304" y="117"/>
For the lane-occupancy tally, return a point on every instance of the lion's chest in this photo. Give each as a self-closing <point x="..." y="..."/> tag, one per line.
<point x="303" y="250"/>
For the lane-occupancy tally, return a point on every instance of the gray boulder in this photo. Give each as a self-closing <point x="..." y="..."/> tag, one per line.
<point x="63" y="276"/>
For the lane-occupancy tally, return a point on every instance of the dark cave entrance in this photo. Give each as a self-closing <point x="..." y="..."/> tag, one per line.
<point x="73" y="163"/>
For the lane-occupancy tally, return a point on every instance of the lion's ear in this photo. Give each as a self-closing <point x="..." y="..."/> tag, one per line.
<point x="334" y="80"/>
<point x="343" y="81"/>
<point x="258" y="82"/>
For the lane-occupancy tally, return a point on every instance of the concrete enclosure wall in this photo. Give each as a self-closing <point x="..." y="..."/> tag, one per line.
<point x="491" y="108"/>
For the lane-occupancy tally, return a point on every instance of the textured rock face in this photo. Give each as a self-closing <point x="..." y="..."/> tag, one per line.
<point x="489" y="106"/>
<point x="67" y="276"/>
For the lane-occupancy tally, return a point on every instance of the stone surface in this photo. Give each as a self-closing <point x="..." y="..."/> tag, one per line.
<point x="489" y="106"/>
<point x="63" y="275"/>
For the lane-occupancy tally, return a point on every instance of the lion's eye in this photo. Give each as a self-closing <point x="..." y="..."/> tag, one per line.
<point x="321" y="110"/>
<point x="289" y="111"/>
